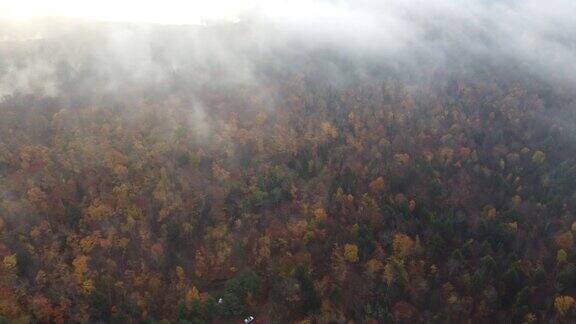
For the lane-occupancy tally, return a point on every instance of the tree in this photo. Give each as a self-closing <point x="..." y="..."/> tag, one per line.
<point x="402" y="245"/>
<point x="373" y="266"/>
<point x="192" y="294"/>
<point x="10" y="263"/>
<point x="538" y="157"/>
<point x="80" y="264"/>
<point x="310" y="299"/>
<point x="377" y="185"/>
<point x="561" y="256"/>
<point x="563" y="304"/>
<point x="564" y="240"/>
<point x="351" y="253"/>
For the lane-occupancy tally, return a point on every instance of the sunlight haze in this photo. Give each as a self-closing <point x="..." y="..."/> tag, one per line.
<point x="149" y="11"/>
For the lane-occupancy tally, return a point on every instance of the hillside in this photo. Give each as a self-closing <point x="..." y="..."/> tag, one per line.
<point x="142" y="184"/>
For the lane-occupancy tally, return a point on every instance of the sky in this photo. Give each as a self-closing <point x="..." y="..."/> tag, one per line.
<point x="148" y="11"/>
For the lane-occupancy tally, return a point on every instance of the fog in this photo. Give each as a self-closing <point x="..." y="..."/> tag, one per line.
<point x="119" y="55"/>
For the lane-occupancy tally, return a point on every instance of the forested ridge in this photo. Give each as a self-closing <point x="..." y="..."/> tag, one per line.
<point x="375" y="200"/>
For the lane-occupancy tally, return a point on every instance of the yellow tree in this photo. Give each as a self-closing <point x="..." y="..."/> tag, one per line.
<point x="563" y="304"/>
<point x="402" y="245"/>
<point x="351" y="253"/>
<point x="80" y="264"/>
<point x="539" y="157"/>
<point x="339" y="264"/>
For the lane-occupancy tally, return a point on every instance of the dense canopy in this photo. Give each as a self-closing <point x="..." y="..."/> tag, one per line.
<point x="434" y="197"/>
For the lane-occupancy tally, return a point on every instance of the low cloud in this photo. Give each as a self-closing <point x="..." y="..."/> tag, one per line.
<point x="73" y="57"/>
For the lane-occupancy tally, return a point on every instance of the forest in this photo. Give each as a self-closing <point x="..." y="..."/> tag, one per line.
<point x="316" y="190"/>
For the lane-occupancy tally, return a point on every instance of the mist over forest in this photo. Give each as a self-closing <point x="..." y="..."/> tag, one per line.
<point x="305" y="162"/>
